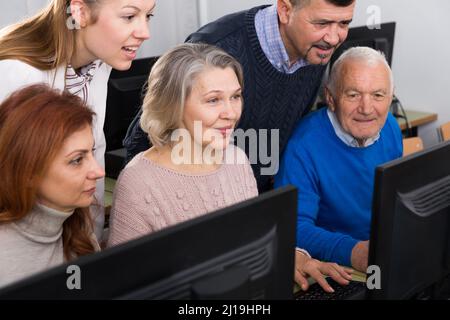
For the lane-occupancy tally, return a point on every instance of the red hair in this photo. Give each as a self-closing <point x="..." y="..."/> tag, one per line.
<point x="34" y="123"/>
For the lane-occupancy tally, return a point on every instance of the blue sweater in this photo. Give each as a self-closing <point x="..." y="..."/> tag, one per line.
<point x="335" y="184"/>
<point x="272" y="99"/>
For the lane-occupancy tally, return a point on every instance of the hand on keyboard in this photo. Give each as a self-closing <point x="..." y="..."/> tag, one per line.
<point x="353" y="290"/>
<point x="306" y="266"/>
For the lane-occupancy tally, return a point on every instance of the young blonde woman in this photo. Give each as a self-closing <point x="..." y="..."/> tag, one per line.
<point x="71" y="45"/>
<point x="48" y="175"/>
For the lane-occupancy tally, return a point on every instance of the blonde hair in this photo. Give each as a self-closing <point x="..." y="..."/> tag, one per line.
<point x="170" y="83"/>
<point x="44" y="41"/>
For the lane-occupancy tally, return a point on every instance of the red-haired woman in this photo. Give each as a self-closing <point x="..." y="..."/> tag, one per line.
<point x="49" y="176"/>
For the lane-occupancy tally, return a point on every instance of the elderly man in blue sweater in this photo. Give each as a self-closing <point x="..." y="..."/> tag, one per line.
<point x="332" y="155"/>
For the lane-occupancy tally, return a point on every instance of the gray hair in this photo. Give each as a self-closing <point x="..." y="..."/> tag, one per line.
<point x="170" y="83"/>
<point x="365" y="54"/>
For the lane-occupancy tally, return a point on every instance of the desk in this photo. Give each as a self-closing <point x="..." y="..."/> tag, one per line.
<point x="416" y="119"/>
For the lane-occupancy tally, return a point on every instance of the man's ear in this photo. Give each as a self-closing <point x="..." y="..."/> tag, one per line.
<point x="284" y="9"/>
<point x="80" y="12"/>
<point x="330" y="99"/>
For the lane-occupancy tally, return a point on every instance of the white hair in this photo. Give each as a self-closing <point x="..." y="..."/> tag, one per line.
<point x="365" y="54"/>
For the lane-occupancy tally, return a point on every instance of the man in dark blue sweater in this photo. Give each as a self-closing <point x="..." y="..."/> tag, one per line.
<point x="332" y="155"/>
<point x="284" y="49"/>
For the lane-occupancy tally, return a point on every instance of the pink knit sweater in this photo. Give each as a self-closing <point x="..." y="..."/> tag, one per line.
<point x="149" y="197"/>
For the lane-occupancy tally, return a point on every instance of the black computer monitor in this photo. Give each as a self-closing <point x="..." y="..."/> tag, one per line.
<point x="243" y="251"/>
<point x="410" y="232"/>
<point x="126" y="90"/>
<point x="381" y="39"/>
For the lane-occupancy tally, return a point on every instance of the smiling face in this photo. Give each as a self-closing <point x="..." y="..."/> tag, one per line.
<point x="362" y="98"/>
<point x="121" y="26"/>
<point x="314" y="31"/>
<point x="216" y="101"/>
<point x="70" y="181"/>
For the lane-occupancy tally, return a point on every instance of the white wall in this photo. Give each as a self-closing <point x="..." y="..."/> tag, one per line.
<point x="421" y="61"/>
<point x="12" y="11"/>
<point x="210" y="10"/>
<point x="174" y="20"/>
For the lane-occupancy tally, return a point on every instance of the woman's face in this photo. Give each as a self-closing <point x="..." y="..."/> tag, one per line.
<point x="70" y="180"/>
<point x="120" y="29"/>
<point x="215" y="105"/>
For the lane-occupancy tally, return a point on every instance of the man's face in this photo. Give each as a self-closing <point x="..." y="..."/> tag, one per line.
<point x="315" y="31"/>
<point x="362" y="98"/>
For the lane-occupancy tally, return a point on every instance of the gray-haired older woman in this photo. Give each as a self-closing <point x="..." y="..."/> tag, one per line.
<point x="192" y="105"/>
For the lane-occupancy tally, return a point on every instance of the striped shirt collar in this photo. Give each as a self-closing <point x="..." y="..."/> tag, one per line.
<point x="268" y="31"/>
<point x="77" y="83"/>
<point x="348" y="139"/>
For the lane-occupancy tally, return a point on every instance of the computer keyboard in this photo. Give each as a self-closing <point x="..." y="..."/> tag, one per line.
<point x="354" y="290"/>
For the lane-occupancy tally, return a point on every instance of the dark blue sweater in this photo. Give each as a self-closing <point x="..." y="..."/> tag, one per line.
<point x="335" y="183"/>
<point x="272" y="99"/>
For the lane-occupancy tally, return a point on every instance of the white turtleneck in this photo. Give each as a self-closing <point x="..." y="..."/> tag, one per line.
<point x="32" y="244"/>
